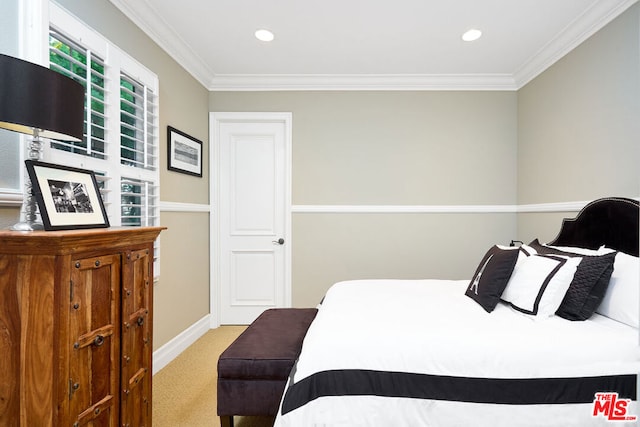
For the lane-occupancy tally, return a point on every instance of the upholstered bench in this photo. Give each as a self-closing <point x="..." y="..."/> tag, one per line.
<point x="253" y="370"/>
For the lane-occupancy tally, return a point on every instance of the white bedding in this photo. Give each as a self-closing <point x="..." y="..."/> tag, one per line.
<point x="431" y="327"/>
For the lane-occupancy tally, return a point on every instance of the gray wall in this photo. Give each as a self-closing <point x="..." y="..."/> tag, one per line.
<point x="9" y="24"/>
<point x="579" y="126"/>
<point x="328" y="248"/>
<point x="393" y="148"/>
<point x="424" y="148"/>
<point x="9" y="141"/>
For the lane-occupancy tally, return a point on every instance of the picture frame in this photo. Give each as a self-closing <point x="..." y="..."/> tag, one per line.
<point x="184" y="153"/>
<point x="68" y="198"/>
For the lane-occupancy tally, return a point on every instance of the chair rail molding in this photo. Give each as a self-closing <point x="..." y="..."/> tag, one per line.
<point x="571" y="206"/>
<point x="183" y="207"/>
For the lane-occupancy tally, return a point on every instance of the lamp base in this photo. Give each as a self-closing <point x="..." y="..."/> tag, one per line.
<point x="27" y="226"/>
<point x="29" y="215"/>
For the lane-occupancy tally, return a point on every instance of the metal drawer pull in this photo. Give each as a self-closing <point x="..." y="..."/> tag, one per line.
<point x="98" y="341"/>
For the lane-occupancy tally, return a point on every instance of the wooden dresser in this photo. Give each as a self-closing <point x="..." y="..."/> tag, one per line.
<point x="76" y="327"/>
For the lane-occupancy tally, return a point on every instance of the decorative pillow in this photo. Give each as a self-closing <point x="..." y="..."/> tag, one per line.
<point x="576" y="250"/>
<point x="539" y="282"/>
<point x="589" y="284"/>
<point x="492" y="276"/>
<point x="621" y="300"/>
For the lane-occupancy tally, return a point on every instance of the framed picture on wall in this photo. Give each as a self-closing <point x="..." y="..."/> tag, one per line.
<point x="68" y="198"/>
<point x="185" y="152"/>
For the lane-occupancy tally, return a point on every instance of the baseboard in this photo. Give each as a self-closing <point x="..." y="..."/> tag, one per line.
<point x="165" y="354"/>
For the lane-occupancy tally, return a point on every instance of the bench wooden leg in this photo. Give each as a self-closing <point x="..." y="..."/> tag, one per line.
<point x="226" y="420"/>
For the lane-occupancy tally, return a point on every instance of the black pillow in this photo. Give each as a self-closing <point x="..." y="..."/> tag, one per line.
<point x="491" y="276"/>
<point x="589" y="284"/>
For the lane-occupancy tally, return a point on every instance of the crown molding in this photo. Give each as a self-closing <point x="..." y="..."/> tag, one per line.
<point x="274" y="82"/>
<point x="142" y="14"/>
<point x="591" y="21"/>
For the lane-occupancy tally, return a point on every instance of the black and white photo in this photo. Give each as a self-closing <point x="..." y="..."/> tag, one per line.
<point x="184" y="152"/>
<point x="68" y="198"/>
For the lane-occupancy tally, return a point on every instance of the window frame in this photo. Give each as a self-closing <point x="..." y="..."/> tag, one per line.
<point x="116" y="62"/>
<point x="36" y="18"/>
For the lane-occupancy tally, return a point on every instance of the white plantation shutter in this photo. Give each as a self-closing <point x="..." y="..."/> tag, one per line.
<point x="139" y="202"/>
<point x="121" y="136"/>
<point x="84" y="66"/>
<point x="139" y="152"/>
<point x="138" y="124"/>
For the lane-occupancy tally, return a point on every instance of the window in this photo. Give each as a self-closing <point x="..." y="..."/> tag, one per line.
<point x="72" y="60"/>
<point x="137" y="205"/>
<point x="121" y="135"/>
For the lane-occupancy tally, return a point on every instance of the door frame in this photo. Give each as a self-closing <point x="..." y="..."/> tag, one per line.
<point x="215" y="119"/>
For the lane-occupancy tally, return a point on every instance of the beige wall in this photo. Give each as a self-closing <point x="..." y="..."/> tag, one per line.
<point x="579" y="125"/>
<point x="182" y="294"/>
<point x="425" y="148"/>
<point x="393" y="148"/>
<point x="328" y="248"/>
<point x="9" y="216"/>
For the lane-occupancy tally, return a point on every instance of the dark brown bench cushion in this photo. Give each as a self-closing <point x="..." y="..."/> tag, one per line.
<point x="253" y="370"/>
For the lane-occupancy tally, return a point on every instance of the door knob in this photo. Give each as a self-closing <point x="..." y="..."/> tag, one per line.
<point x="280" y="241"/>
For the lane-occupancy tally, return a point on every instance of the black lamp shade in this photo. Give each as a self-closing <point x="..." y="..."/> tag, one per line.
<point x="35" y="97"/>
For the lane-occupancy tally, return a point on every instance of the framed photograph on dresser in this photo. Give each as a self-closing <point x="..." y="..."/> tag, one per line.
<point x="68" y="198"/>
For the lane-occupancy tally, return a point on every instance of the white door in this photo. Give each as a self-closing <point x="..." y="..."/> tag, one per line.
<point x="252" y="226"/>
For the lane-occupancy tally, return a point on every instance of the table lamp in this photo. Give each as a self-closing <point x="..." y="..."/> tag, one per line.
<point x="38" y="101"/>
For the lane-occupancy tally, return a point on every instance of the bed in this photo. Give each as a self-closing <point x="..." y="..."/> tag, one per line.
<point x="542" y="335"/>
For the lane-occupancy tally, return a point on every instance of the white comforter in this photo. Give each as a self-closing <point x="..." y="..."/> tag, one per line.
<point x="431" y="327"/>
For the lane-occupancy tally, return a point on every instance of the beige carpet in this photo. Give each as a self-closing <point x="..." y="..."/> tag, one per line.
<point x="184" y="392"/>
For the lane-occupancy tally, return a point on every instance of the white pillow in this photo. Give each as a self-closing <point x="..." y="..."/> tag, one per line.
<point x="622" y="300"/>
<point x="539" y="282"/>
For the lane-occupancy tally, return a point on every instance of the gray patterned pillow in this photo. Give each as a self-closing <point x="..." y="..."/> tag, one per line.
<point x="589" y="284"/>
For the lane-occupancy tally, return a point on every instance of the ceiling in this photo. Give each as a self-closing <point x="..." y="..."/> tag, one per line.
<point x="369" y="44"/>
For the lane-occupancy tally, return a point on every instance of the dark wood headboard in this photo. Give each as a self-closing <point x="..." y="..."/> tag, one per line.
<point x="611" y="221"/>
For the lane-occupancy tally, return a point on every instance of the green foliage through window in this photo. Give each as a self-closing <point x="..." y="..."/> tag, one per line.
<point x="71" y="60"/>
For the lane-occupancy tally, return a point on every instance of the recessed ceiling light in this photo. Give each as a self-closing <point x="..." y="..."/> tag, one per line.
<point x="471" y="35"/>
<point x="264" y="35"/>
